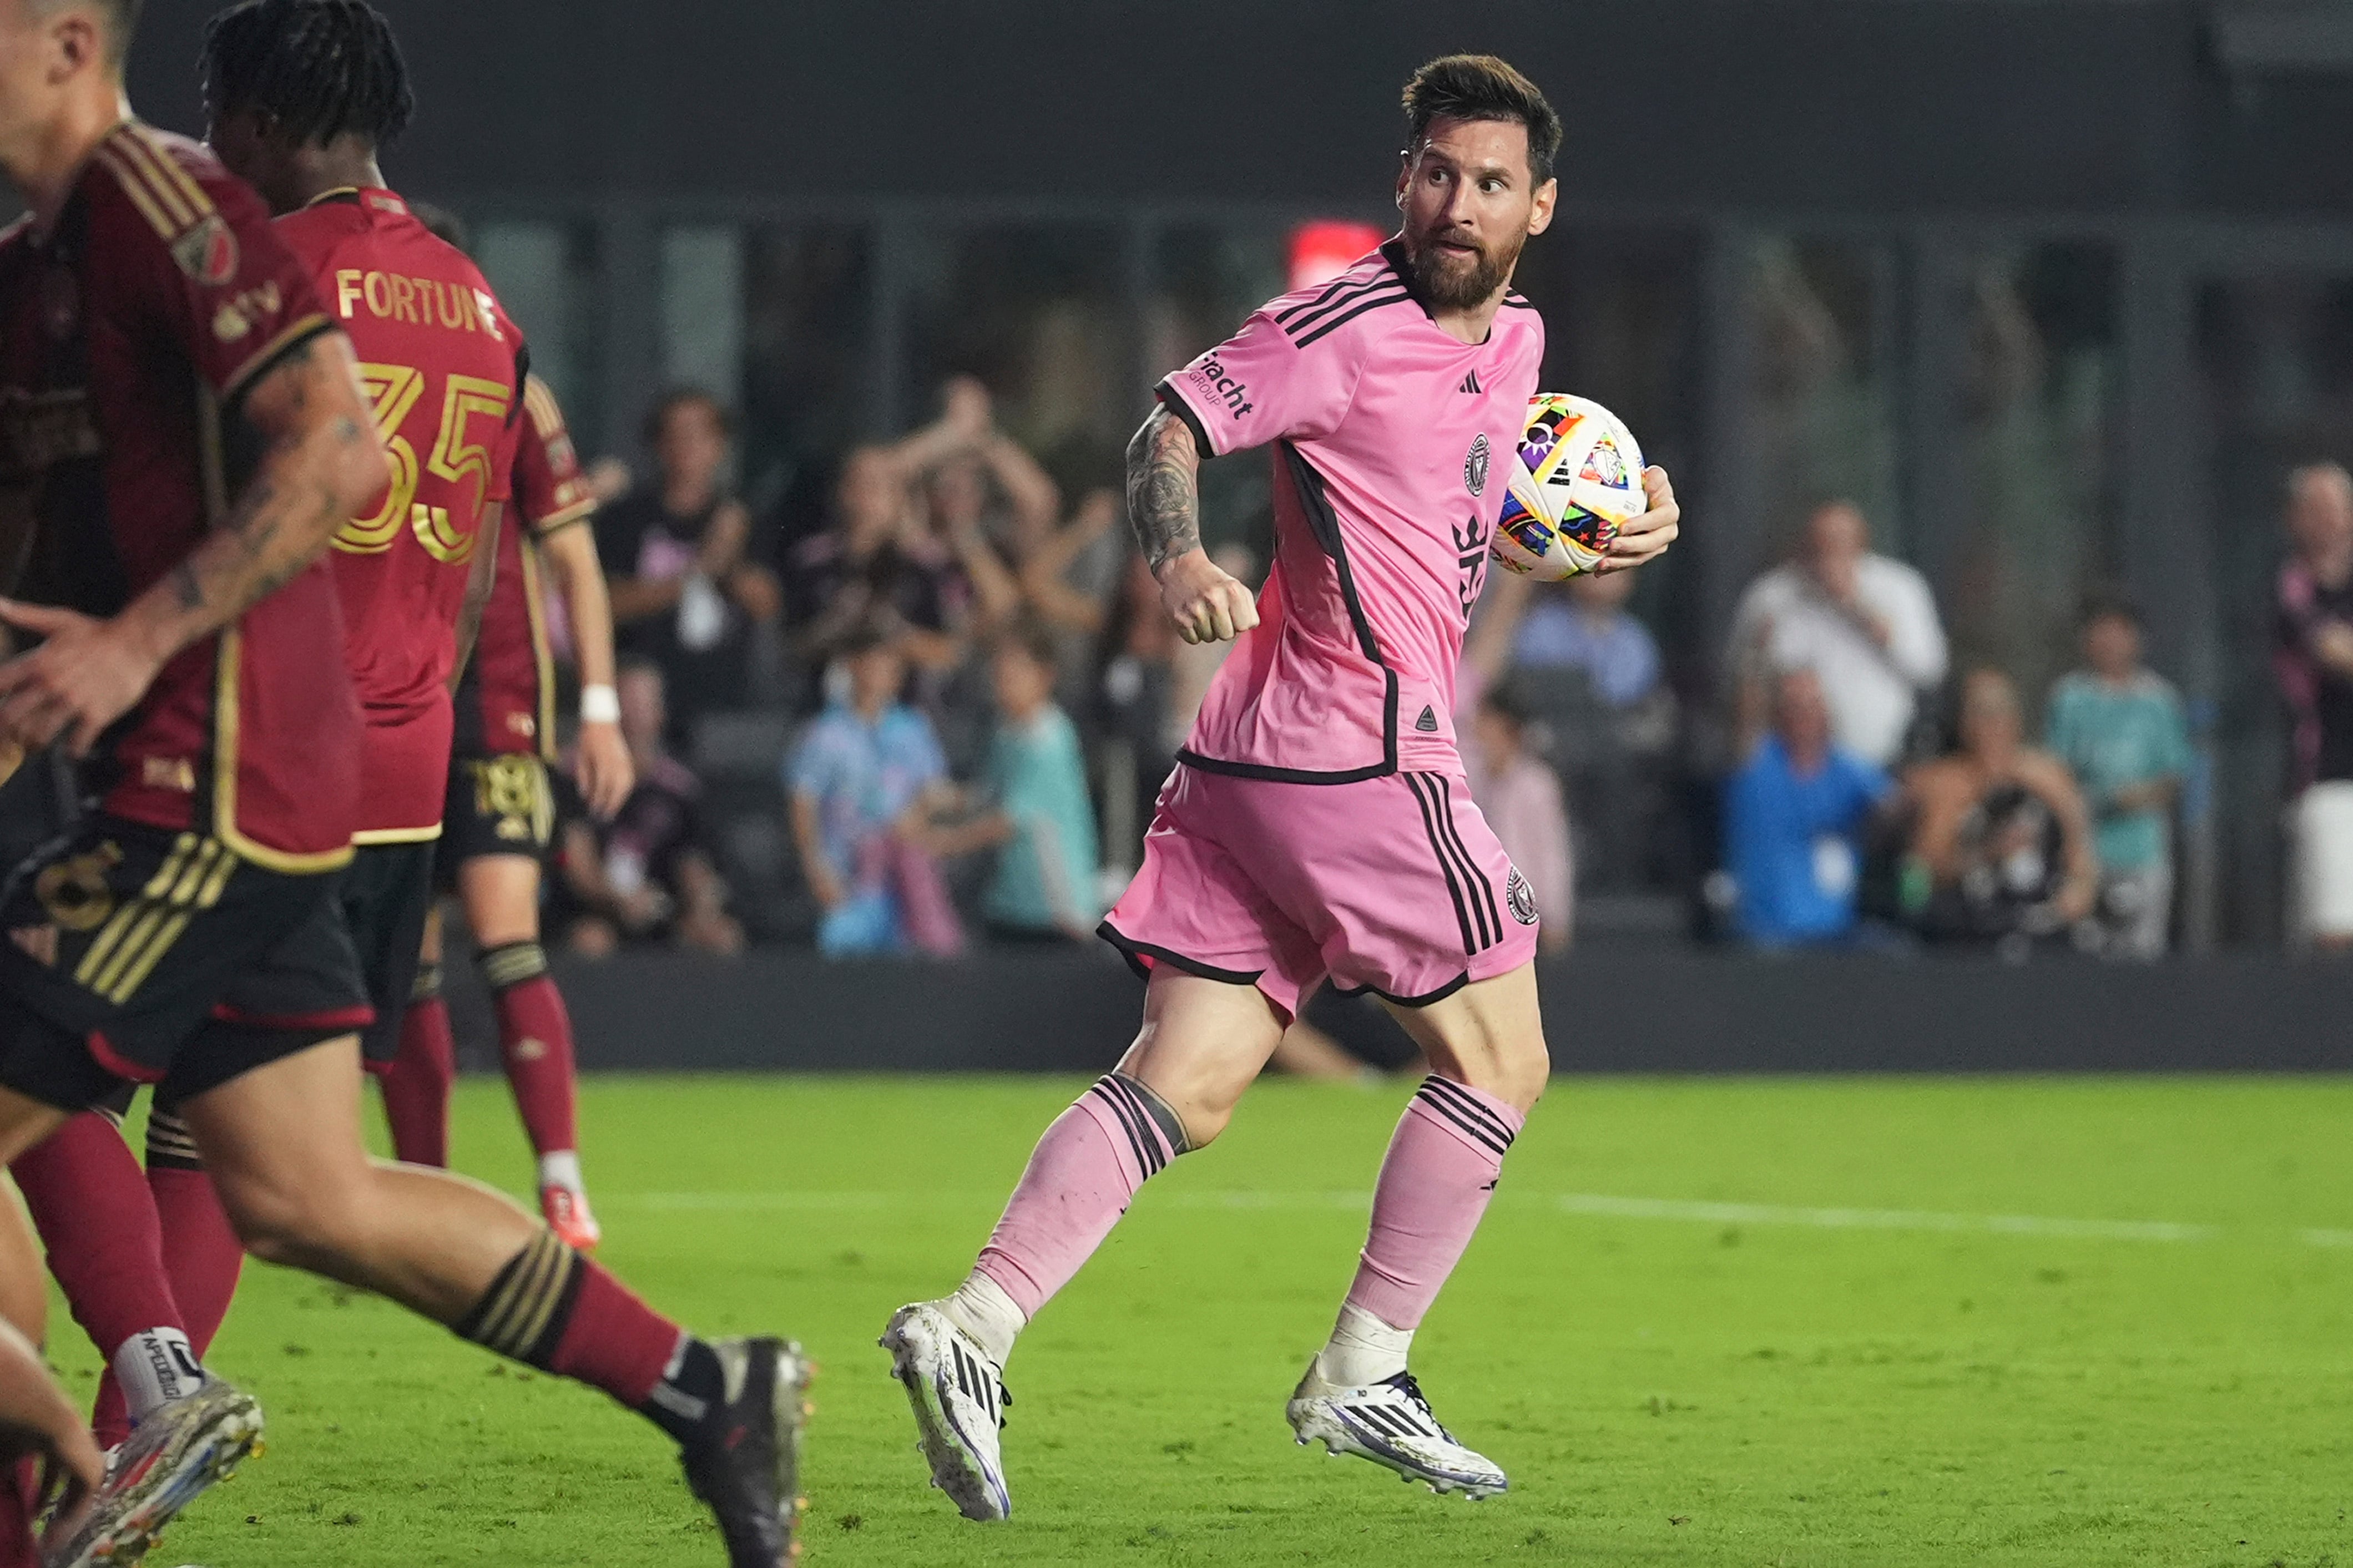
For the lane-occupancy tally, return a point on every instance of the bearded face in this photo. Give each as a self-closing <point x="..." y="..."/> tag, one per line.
<point x="1456" y="271"/>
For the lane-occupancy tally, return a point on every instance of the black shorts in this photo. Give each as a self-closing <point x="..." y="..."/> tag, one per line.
<point x="497" y="805"/>
<point x="387" y="892"/>
<point x="135" y="953"/>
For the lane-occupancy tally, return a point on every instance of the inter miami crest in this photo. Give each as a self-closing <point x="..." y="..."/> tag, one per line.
<point x="1521" y="897"/>
<point x="1474" y="466"/>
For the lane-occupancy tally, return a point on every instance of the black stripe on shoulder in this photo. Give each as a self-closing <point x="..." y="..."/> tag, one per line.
<point x="1346" y="280"/>
<point x="1517" y="303"/>
<point x="1397" y="296"/>
<point x="1305" y="320"/>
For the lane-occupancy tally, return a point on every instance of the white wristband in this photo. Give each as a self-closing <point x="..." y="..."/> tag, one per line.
<point x="599" y="705"/>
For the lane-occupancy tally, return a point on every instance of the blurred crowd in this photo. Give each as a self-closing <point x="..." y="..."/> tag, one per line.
<point x="933" y="710"/>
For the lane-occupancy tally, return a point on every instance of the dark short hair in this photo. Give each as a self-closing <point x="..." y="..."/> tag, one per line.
<point x="1481" y="87"/>
<point x="318" y="68"/>
<point x="867" y="636"/>
<point x="677" y="397"/>
<point x="441" y="223"/>
<point x="2109" y="604"/>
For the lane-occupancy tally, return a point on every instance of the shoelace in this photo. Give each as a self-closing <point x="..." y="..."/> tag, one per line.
<point x="1404" y="1383"/>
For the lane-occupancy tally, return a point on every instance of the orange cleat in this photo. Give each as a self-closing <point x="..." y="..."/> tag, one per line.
<point x="569" y="1217"/>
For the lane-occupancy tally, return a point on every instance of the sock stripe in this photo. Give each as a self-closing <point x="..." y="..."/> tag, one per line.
<point x="1147" y="1153"/>
<point x="524" y="1314"/>
<point x="170" y="1144"/>
<point x="1147" y="1122"/>
<point x="427" y="983"/>
<point x="512" y="965"/>
<point x="1455" y="1094"/>
<point x="1472" y="1129"/>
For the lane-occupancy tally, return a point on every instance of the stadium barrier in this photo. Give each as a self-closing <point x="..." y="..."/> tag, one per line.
<point x="1609" y="1009"/>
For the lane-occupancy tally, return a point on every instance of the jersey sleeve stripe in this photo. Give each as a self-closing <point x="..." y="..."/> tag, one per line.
<point x="1384" y="284"/>
<point x="1174" y="401"/>
<point x="174" y="175"/>
<point x="270" y="353"/>
<point x="1345" y="317"/>
<point x="133" y="153"/>
<point x="563" y="518"/>
<point x="547" y="416"/>
<point x="134" y="186"/>
<point x="1346" y="280"/>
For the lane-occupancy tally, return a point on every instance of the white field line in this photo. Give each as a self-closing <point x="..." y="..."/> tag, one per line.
<point x="1593" y="1204"/>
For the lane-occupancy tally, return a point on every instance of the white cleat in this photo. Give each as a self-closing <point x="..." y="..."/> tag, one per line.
<point x="180" y="1451"/>
<point x="1392" y="1425"/>
<point x="959" y="1398"/>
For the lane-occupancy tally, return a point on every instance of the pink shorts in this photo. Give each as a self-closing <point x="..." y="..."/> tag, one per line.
<point x="1391" y="884"/>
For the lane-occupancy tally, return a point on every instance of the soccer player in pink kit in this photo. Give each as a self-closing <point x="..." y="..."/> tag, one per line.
<point x="1318" y="823"/>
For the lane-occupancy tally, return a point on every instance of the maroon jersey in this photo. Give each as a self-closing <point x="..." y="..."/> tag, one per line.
<point x="506" y="704"/>
<point x="129" y="336"/>
<point x="442" y="366"/>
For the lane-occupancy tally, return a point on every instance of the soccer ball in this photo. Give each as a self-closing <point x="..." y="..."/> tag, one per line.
<point x="1579" y="480"/>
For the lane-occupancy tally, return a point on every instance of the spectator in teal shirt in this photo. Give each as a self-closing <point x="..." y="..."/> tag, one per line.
<point x="1036" y="812"/>
<point x="2120" y="728"/>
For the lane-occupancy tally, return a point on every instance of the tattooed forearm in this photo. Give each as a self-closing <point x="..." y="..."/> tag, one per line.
<point x="1163" y="502"/>
<point x="318" y="465"/>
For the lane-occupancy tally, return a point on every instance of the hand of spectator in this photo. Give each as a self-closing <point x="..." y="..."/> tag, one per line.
<point x="1647" y="537"/>
<point x="1098" y="514"/>
<point x="642" y="908"/>
<point x="2076" y="899"/>
<point x="606" y="773"/>
<point x="721" y="549"/>
<point x="1207" y="604"/>
<point x="967" y="409"/>
<point x="824" y="886"/>
<point x="712" y="931"/>
<point x="756" y="591"/>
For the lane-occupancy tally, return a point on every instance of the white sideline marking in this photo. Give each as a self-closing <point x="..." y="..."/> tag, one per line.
<point x="1890" y="1219"/>
<point x="1598" y="1205"/>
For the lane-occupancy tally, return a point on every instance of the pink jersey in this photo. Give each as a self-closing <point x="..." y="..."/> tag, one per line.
<point x="1390" y="437"/>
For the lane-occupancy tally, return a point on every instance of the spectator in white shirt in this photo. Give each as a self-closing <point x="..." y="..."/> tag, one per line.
<point x="1864" y="624"/>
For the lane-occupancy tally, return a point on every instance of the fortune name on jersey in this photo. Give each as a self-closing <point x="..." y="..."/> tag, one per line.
<point x="422" y="302"/>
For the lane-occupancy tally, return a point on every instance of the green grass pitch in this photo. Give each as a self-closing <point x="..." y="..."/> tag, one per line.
<point x="1839" y="1322"/>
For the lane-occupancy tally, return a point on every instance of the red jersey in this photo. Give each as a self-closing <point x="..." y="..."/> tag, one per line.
<point x="506" y="701"/>
<point x="129" y="336"/>
<point x="442" y="366"/>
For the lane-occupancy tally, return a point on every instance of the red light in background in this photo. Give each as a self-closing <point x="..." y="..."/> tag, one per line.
<point x="1322" y="249"/>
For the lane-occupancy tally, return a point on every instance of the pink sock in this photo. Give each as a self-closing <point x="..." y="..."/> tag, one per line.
<point x="1443" y="1164"/>
<point x="1079" y="1182"/>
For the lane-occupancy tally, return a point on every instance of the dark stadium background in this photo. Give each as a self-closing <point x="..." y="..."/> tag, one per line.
<point x="830" y="206"/>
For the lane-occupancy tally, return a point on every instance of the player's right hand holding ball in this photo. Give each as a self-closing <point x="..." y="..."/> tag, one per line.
<point x="1207" y="604"/>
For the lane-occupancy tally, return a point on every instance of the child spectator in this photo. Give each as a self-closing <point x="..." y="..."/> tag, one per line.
<point x="865" y="782"/>
<point x="1039" y="815"/>
<point x="2120" y="728"/>
<point x="1793" y="821"/>
<point x="644" y="877"/>
<point x="1520" y="796"/>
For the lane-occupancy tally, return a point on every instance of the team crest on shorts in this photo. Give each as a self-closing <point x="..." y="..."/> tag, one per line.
<point x="1521" y="897"/>
<point x="1474" y="465"/>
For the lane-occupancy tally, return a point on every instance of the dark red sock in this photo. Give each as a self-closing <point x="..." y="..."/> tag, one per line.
<point x="17" y="1548"/>
<point x="417" y="1086"/>
<point x="614" y="1340"/>
<point x="551" y="1308"/>
<point x="89" y="1200"/>
<point x="202" y="1255"/>
<point x="535" y="1043"/>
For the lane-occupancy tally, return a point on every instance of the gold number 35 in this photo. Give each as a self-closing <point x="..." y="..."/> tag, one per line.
<point x="392" y="391"/>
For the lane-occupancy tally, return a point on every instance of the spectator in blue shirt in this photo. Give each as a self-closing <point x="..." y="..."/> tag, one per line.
<point x="1793" y="822"/>
<point x="1036" y="810"/>
<point x="2119" y="728"/>
<point x="1584" y="626"/>
<point x="866" y="782"/>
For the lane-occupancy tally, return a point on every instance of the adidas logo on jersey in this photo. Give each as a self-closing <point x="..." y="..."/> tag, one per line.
<point x="1470" y="384"/>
